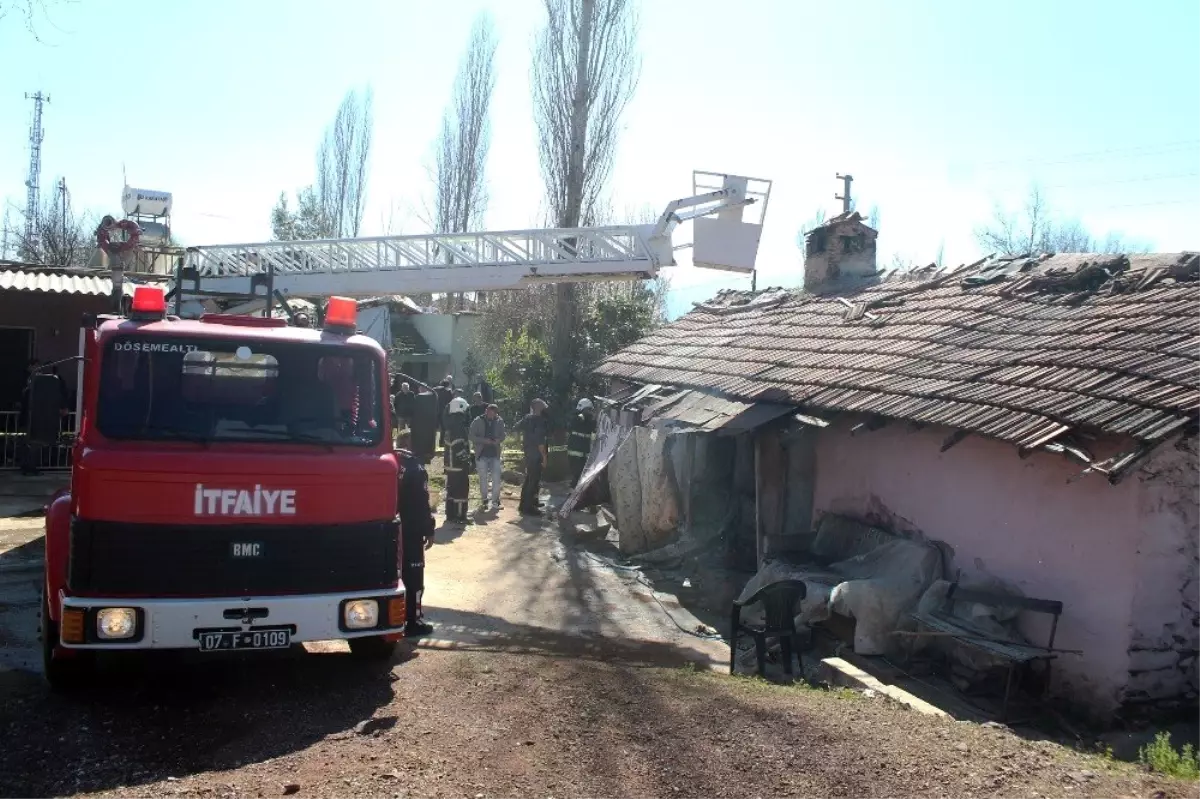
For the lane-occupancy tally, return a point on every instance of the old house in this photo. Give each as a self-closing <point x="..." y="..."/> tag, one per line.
<point x="41" y="311"/>
<point x="1035" y="418"/>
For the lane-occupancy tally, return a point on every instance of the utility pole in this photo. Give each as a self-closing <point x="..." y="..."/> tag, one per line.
<point x="32" y="194"/>
<point x="845" y="195"/>
<point x="62" y="219"/>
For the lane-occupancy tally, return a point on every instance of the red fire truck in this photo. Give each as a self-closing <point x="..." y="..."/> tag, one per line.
<point x="233" y="482"/>
<point x="234" y="486"/>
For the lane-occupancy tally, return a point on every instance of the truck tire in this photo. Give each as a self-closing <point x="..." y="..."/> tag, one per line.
<point x="374" y="647"/>
<point x="64" y="674"/>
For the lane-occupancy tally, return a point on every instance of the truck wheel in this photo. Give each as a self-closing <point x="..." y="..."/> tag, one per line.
<point x="65" y="674"/>
<point x="374" y="647"/>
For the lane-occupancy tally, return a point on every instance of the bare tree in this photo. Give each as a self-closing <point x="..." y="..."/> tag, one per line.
<point x="873" y="217"/>
<point x="30" y="12"/>
<point x="333" y="207"/>
<point x="342" y="164"/>
<point x="460" y="151"/>
<point x="62" y="238"/>
<point x="585" y="70"/>
<point x="1034" y="230"/>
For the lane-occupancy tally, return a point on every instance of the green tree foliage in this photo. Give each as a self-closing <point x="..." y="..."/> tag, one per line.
<point x="611" y="324"/>
<point x="613" y="317"/>
<point x="306" y="221"/>
<point x="520" y="372"/>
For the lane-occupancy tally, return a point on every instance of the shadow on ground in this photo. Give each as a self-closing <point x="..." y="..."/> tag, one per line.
<point x="474" y="632"/>
<point x="150" y="718"/>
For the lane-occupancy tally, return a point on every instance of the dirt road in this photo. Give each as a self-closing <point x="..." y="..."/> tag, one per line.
<point x="549" y="675"/>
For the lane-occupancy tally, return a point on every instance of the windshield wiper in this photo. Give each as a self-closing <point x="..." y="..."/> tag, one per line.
<point x="168" y="432"/>
<point x="301" y="436"/>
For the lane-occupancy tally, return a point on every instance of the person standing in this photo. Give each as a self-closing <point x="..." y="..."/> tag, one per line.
<point x="403" y="402"/>
<point x="445" y="393"/>
<point x="580" y="437"/>
<point x="416" y="533"/>
<point x="485" y="390"/>
<point x="458" y="460"/>
<point x="478" y="406"/>
<point x="534" y="429"/>
<point x="487" y="436"/>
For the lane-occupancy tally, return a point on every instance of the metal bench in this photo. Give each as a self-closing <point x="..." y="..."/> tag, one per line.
<point x="940" y="622"/>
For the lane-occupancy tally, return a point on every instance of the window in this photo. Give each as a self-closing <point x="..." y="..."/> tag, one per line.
<point x="853" y="243"/>
<point x="818" y="241"/>
<point x="215" y="390"/>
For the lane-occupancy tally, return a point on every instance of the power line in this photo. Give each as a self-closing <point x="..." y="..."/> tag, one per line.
<point x="1173" y="176"/>
<point x="1129" y="152"/>
<point x="1142" y="205"/>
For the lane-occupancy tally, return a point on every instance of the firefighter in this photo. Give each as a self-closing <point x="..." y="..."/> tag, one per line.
<point x="579" y="440"/>
<point x="457" y="460"/>
<point x="416" y="528"/>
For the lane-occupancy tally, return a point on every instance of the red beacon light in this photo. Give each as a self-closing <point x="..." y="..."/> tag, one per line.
<point x="149" y="302"/>
<point x="341" y="315"/>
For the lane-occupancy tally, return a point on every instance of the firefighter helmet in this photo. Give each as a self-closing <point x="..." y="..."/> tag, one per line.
<point x="458" y="405"/>
<point x="584" y="404"/>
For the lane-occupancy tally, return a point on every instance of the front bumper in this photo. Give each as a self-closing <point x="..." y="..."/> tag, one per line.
<point x="173" y="623"/>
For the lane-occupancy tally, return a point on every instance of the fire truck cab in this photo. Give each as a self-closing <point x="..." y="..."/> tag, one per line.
<point x="233" y="486"/>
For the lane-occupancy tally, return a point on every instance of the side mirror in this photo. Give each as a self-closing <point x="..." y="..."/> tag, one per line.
<point x="424" y="423"/>
<point x="45" y="401"/>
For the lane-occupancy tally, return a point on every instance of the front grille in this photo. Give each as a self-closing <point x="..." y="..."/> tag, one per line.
<point x="230" y="560"/>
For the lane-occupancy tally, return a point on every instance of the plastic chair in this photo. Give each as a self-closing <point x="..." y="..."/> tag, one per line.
<point x="779" y="601"/>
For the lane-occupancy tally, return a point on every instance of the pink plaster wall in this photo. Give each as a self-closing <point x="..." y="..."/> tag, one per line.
<point x="1162" y="652"/>
<point x="1033" y="522"/>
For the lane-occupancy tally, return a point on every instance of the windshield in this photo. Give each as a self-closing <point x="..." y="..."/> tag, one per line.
<point x="201" y="389"/>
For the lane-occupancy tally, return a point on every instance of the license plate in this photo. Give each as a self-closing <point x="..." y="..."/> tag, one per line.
<point x="249" y="639"/>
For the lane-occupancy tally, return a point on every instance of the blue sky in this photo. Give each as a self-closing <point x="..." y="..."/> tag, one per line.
<point x="939" y="109"/>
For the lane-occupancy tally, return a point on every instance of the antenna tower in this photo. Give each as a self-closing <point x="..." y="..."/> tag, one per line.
<point x="33" y="193"/>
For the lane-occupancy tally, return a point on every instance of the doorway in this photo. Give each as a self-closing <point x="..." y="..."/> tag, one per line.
<point x="16" y="351"/>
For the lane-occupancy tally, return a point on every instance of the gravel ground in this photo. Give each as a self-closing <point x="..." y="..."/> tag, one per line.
<point x="555" y="723"/>
<point x="548" y="675"/>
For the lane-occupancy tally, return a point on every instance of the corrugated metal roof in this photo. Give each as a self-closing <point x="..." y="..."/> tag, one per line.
<point x="56" y="282"/>
<point x="709" y="413"/>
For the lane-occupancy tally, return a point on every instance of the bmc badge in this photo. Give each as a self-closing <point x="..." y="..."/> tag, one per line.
<point x="258" y="501"/>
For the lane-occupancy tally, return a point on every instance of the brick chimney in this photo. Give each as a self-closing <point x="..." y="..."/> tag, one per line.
<point x="840" y="254"/>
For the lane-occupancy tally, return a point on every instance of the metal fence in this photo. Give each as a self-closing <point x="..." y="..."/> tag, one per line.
<point x="54" y="458"/>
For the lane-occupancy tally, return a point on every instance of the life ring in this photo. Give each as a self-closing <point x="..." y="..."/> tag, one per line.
<point x="104" y="234"/>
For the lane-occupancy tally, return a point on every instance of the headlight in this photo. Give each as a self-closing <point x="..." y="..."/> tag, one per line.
<point x="116" y="623"/>
<point x="360" y="614"/>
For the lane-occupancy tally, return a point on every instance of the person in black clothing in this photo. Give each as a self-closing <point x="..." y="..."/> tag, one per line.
<point x="416" y="532"/>
<point x="485" y="391"/>
<point x="458" y="460"/>
<point x="478" y="407"/>
<point x="445" y="393"/>
<point x="402" y="403"/>
<point x="534" y="428"/>
<point x="579" y="440"/>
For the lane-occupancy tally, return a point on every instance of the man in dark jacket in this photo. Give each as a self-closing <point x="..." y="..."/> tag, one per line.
<point x="534" y="428"/>
<point x="402" y="403"/>
<point x="477" y="408"/>
<point x="445" y="393"/>
<point x="416" y="532"/>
